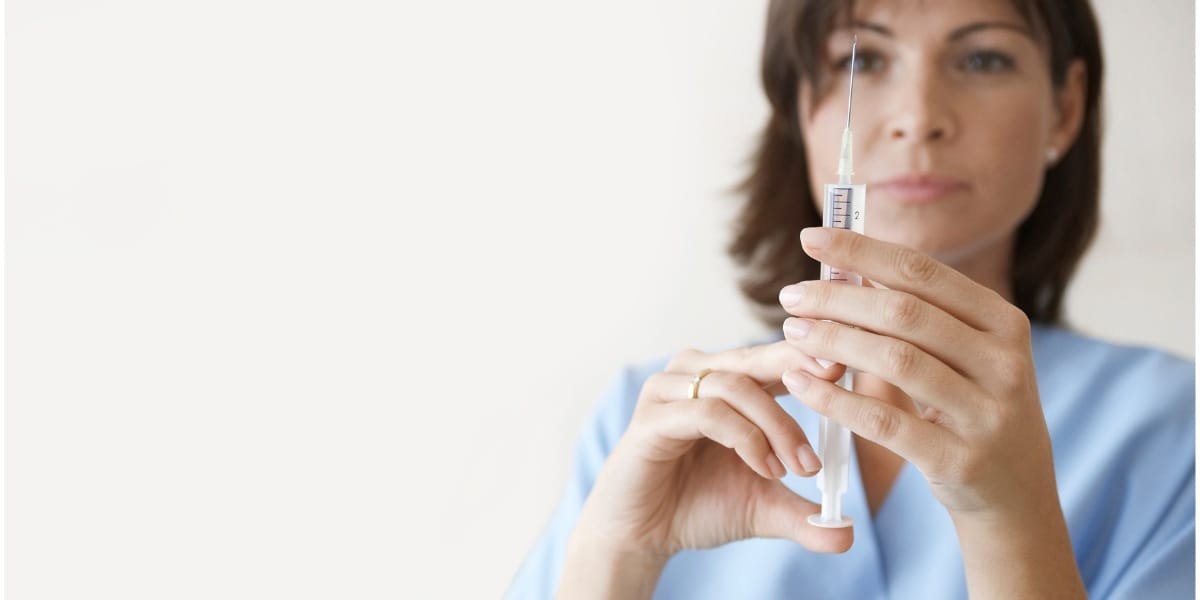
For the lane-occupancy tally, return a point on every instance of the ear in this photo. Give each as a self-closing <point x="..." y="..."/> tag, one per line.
<point x="1070" y="102"/>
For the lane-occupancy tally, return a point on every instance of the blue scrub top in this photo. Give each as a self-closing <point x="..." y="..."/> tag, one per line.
<point x="1122" y="421"/>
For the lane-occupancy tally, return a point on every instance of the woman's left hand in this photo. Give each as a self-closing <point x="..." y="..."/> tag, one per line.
<point x="957" y="348"/>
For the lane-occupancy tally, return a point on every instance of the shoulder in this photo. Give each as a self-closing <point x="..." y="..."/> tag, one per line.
<point x="1121" y="417"/>
<point x="1054" y="343"/>
<point x="1122" y="424"/>
<point x="1077" y="373"/>
<point x="1118" y="415"/>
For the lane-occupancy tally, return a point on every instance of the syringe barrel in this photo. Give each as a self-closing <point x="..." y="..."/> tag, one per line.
<point x="835" y="454"/>
<point x="845" y="207"/>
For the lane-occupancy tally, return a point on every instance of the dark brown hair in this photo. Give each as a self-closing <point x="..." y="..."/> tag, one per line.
<point x="779" y="202"/>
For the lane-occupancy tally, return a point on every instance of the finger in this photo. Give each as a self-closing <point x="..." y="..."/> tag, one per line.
<point x="928" y="380"/>
<point x="901" y="268"/>
<point x="744" y="395"/>
<point x="784" y="434"/>
<point x="780" y="513"/>
<point x="764" y="363"/>
<point x="919" y="442"/>
<point x="712" y="418"/>
<point x="894" y="314"/>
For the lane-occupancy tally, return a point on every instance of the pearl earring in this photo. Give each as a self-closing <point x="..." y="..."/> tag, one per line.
<point x="1051" y="155"/>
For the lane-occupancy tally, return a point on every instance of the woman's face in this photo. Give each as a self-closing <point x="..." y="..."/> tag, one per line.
<point x="954" y="115"/>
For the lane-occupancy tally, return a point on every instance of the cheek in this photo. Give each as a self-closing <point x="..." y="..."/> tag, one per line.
<point x="822" y="136"/>
<point x="822" y="145"/>
<point x="1009" y="156"/>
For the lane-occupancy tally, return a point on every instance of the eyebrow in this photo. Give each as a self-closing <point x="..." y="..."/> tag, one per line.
<point x="957" y="34"/>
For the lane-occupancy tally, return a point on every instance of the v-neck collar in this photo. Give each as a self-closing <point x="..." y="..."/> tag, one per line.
<point x="868" y="577"/>
<point x="855" y="503"/>
<point x="871" y="572"/>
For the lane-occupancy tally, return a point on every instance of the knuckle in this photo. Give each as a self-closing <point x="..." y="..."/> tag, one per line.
<point x="1018" y="323"/>
<point x="1010" y="369"/>
<point x="904" y="312"/>
<point x="900" y="359"/>
<point x="751" y="440"/>
<point x="711" y="411"/>
<point x="824" y="335"/>
<point x="789" y="432"/>
<point x="679" y="362"/>
<point x="817" y="294"/>
<point x="821" y="397"/>
<point x="780" y="426"/>
<point x="742" y="385"/>
<point x="851" y="245"/>
<point x="640" y="415"/>
<point x="794" y="359"/>
<point x="652" y="385"/>
<point x="916" y="267"/>
<point x="990" y="418"/>
<point x="879" y="422"/>
<point x="743" y="357"/>
<point x="1004" y="414"/>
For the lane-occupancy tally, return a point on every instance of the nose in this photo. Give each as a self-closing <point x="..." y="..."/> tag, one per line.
<point x="922" y="111"/>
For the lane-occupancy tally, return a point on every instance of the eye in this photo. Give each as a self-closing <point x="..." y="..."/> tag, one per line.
<point x="986" y="61"/>
<point x="865" y="61"/>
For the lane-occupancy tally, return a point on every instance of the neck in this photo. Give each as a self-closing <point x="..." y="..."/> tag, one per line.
<point x="988" y="263"/>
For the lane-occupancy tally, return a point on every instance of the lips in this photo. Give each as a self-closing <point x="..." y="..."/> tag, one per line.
<point x="919" y="188"/>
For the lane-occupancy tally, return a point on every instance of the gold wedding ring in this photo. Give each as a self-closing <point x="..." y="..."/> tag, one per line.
<point x="694" y="389"/>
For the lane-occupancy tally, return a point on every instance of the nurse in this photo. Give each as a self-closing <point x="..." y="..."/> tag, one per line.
<point x="997" y="454"/>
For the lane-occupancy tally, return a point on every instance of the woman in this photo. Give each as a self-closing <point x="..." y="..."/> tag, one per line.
<point x="1040" y="464"/>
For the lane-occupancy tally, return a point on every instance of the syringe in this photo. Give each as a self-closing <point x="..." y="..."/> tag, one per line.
<point x="845" y="208"/>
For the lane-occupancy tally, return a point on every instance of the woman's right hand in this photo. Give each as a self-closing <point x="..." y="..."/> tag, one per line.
<point x="698" y="473"/>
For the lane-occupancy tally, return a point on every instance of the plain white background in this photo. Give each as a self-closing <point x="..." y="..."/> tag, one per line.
<point x="309" y="300"/>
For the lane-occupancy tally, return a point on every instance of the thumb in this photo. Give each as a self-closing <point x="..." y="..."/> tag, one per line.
<point x="781" y="513"/>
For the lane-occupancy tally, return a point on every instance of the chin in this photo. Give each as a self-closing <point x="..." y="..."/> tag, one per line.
<point x="949" y="247"/>
<point x="918" y="238"/>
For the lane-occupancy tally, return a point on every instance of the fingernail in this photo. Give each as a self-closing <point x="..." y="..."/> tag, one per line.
<point x="794" y="381"/>
<point x="808" y="458"/>
<point x="777" y="467"/>
<point x="825" y="364"/>
<point x="815" y="237"/>
<point x="796" y="329"/>
<point x="791" y="295"/>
